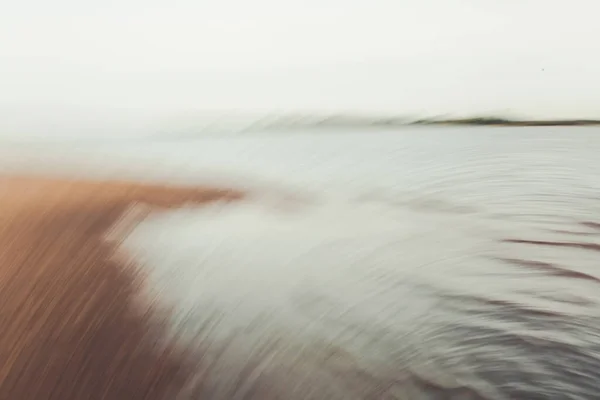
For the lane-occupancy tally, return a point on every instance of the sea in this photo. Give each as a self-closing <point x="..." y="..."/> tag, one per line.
<point x="463" y="262"/>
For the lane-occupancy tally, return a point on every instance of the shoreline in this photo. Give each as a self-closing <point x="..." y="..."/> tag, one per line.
<point x="508" y="122"/>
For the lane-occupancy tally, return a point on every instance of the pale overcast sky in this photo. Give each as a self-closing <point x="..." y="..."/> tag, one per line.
<point x="526" y="57"/>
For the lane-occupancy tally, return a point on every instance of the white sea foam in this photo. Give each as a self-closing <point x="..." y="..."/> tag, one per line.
<point x="401" y="296"/>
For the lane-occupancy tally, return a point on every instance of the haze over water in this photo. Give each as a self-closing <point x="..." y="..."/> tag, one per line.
<point x="133" y="67"/>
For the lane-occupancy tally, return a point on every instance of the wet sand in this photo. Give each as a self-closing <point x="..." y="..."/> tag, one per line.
<point x="74" y="321"/>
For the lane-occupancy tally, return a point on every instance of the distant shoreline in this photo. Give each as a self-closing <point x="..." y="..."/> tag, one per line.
<point x="508" y="122"/>
<point x="355" y="121"/>
<point x="275" y="123"/>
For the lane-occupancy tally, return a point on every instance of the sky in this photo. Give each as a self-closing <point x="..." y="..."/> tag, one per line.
<point x="74" y="63"/>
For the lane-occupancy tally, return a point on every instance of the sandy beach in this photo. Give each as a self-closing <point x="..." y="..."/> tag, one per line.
<point x="75" y="321"/>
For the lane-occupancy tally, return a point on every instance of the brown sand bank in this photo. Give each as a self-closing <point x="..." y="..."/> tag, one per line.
<point x="73" y="324"/>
